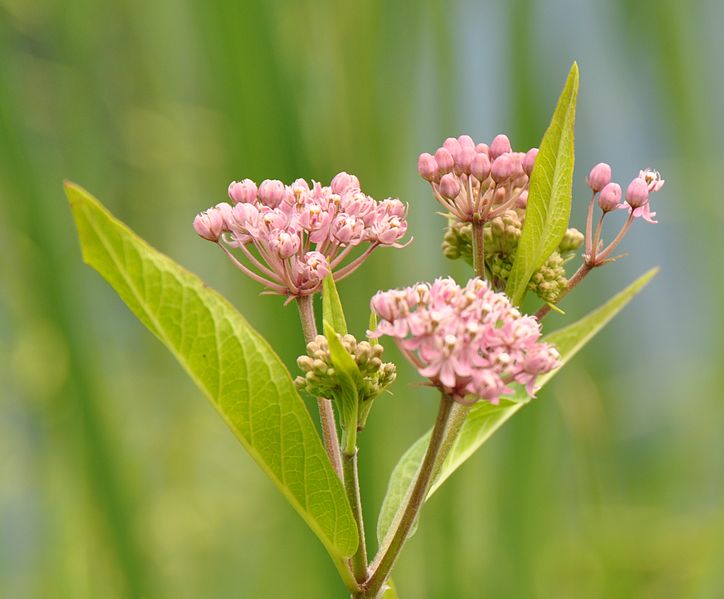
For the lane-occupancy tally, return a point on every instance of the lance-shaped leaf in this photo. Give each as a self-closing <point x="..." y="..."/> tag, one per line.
<point x="349" y="378"/>
<point x="549" y="193"/>
<point x="485" y="418"/>
<point x="332" y="310"/>
<point x="230" y="362"/>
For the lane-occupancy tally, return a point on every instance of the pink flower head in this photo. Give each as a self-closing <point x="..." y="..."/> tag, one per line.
<point x="476" y="180"/>
<point x="289" y="237"/>
<point x="469" y="341"/>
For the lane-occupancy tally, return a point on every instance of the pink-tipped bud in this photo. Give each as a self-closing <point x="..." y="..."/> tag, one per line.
<point x="482" y="149"/>
<point x="502" y="168"/>
<point x="480" y="167"/>
<point x="344" y="182"/>
<point x="529" y="161"/>
<point x="637" y="193"/>
<point x="599" y="177"/>
<point x="452" y="145"/>
<point x="466" y="141"/>
<point x="449" y="187"/>
<point x="271" y="192"/>
<point x="610" y="197"/>
<point x="501" y="145"/>
<point x="243" y="191"/>
<point x="444" y="160"/>
<point x="209" y="224"/>
<point x="427" y="166"/>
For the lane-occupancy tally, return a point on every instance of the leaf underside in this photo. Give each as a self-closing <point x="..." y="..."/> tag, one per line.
<point x="485" y="418"/>
<point x="229" y="361"/>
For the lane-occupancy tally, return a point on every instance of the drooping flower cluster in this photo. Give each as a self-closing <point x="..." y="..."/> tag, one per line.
<point x="476" y="181"/>
<point x="292" y="236"/>
<point x="471" y="342"/>
<point x="608" y="194"/>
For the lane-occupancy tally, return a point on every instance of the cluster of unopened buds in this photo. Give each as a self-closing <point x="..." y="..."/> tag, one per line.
<point x="476" y="181"/>
<point x="292" y="236"/>
<point x="320" y="378"/>
<point x="608" y="194"/>
<point x="469" y="341"/>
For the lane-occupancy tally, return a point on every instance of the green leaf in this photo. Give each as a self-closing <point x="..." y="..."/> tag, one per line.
<point x="332" y="310"/>
<point x="485" y="418"/>
<point x="549" y="193"/>
<point x="230" y="362"/>
<point x="348" y="376"/>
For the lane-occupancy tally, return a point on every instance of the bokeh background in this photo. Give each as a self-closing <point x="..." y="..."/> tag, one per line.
<point x="118" y="480"/>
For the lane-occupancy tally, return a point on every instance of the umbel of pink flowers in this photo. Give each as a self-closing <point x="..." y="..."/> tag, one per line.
<point x="608" y="194"/>
<point x="469" y="341"/>
<point x="291" y="236"/>
<point x="476" y="181"/>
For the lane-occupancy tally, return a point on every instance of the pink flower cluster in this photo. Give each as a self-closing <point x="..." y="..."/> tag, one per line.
<point x="477" y="181"/>
<point x="292" y="236"/>
<point x="637" y="192"/>
<point x="468" y="341"/>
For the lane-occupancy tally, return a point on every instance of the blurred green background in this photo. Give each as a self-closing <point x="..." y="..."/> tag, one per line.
<point x="118" y="480"/>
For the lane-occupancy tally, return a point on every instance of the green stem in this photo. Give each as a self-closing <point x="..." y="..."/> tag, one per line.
<point x="381" y="568"/>
<point x="351" y="485"/>
<point x="479" y="248"/>
<point x="458" y="414"/>
<point x="326" y="411"/>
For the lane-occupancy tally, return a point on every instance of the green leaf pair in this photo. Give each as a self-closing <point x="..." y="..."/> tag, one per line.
<point x="230" y="362"/>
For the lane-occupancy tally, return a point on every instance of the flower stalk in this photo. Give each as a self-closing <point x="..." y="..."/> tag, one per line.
<point x="382" y="566"/>
<point x="326" y="411"/>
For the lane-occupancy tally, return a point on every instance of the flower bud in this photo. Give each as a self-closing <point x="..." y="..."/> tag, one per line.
<point x="480" y="166"/>
<point x="452" y="145"/>
<point x="637" y="193"/>
<point x="444" y="160"/>
<point x="449" y="187"/>
<point x="482" y="149"/>
<point x="500" y="145"/>
<point x="285" y="244"/>
<point x="427" y="166"/>
<point x="502" y="167"/>
<point x="243" y="191"/>
<point x="529" y="160"/>
<point x="610" y="197"/>
<point x="344" y="182"/>
<point x="466" y="141"/>
<point x="209" y="224"/>
<point x="599" y="177"/>
<point x="465" y="159"/>
<point x="271" y="192"/>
